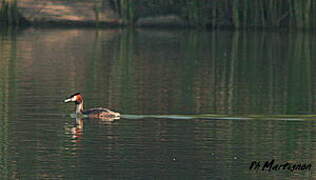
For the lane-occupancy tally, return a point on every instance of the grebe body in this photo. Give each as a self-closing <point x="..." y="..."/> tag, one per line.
<point x="102" y="113"/>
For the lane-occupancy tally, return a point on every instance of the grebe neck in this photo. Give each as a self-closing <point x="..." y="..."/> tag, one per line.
<point x="79" y="108"/>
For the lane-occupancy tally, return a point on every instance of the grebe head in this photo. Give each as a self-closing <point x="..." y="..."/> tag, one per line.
<point x="77" y="98"/>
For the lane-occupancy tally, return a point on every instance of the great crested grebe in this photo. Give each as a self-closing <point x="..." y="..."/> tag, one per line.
<point x="101" y="113"/>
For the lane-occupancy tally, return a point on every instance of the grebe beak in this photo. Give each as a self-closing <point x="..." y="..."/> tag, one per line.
<point x="71" y="99"/>
<point x="67" y="100"/>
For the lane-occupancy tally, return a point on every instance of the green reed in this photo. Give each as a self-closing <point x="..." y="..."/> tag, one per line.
<point x="9" y="13"/>
<point x="224" y="13"/>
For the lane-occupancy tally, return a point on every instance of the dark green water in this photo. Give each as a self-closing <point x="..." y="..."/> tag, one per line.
<point x="195" y="105"/>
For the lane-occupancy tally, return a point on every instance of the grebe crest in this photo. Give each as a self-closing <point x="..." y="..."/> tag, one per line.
<point x="100" y="113"/>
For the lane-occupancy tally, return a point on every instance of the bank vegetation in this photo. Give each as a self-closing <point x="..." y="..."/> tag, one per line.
<point x="293" y="14"/>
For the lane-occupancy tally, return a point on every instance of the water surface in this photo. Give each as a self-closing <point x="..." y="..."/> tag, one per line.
<point x="195" y="105"/>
